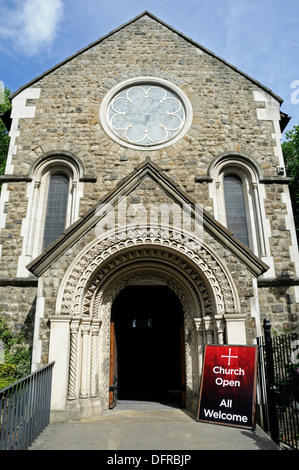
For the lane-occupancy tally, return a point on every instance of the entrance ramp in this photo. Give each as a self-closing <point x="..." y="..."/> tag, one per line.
<point x="151" y="426"/>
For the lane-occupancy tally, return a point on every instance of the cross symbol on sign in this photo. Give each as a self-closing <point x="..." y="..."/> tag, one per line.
<point x="229" y="356"/>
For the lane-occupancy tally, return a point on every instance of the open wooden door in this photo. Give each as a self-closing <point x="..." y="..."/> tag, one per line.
<point x="183" y="367"/>
<point x="113" y="379"/>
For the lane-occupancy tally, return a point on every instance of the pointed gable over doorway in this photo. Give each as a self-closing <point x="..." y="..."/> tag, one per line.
<point x="156" y="183"/>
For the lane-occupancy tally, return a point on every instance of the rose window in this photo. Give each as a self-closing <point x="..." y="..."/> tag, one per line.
<point x="146" y="115"/>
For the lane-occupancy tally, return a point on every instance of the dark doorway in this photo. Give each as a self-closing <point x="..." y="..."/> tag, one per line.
<point x="148" y="326"/>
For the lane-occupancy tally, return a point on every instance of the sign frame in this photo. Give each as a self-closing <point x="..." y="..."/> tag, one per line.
<point x="229" y="408"/>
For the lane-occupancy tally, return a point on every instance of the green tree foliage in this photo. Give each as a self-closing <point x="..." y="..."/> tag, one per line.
<point x="5" y="105"/>
<point x="290" y="148"/>
<point x="15" y="356"/>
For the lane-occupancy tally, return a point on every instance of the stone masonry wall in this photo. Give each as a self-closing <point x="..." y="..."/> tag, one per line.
<point x="224" y="120"/>
<point x="146" y="193"/>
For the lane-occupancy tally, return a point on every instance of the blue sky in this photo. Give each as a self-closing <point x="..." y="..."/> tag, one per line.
<point x="260" y="37"/>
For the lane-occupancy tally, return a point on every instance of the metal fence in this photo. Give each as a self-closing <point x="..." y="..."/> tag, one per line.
<point x="25" y="409"/>
<point x="279" y="357"/>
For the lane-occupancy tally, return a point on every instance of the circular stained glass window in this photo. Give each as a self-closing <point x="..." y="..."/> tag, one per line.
<point x="145" y="114"/>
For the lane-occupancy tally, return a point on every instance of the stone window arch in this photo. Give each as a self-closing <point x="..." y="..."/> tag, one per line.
<point x="51" y="174"/>
<point x="237" y="176"/>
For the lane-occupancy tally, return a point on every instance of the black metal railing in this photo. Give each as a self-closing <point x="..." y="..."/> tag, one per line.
<point x="280" y="356"/>
<point x="25" y="409"/>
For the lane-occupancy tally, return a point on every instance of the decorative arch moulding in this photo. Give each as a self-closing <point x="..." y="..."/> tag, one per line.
<point x="102" y="257"/>
<point x="63" y="157"/>
<point x="245" y="162"/>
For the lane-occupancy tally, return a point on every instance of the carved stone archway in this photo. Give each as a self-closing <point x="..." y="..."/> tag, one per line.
<point x="104" y="254"/>
<point x="149" y="272"/>
<point x="200" y="327"/>
<point x="202" y="284"/>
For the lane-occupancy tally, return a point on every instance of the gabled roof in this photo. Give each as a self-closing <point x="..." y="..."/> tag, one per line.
<point x="123" y="188"/>
<point x="150" y="15"/>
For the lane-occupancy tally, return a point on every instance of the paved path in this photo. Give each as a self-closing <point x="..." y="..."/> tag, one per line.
<point x="148" y="426"/>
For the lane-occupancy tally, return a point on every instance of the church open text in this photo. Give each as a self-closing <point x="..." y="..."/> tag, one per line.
<point x="222" y="370"/>
<point x="227" y="383"/>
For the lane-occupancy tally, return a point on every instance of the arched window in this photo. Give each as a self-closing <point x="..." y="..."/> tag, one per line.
<point x="235" y="207"/>
<point x="54" y="196"/>
<point x="57" y="203"/>
<point x="236" y="194"/>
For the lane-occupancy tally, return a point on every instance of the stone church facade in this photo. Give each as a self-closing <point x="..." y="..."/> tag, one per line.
<point x="145" y="185"/>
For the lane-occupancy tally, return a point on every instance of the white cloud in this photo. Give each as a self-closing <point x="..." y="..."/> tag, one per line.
<point x="31" y="25"/>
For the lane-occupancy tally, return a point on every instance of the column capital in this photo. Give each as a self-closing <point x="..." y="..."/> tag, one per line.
<point x="95" y="326"/>
<point x="74" y="326"/>
<point x="199" y="326"/>
<point x="85" y="326"/>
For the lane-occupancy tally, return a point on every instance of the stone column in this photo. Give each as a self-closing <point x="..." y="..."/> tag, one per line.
<point x="95" y="328"/>
<point x="85" y="329"/>
<point x="74" y="202"/>
<point x="74" y="329"/>
<point x="260" y="230"/>
<point x="198" y="322"/>
<point x="30" y="235"/>
<point x="209" y="329"/>
<point x="219" y="328"/>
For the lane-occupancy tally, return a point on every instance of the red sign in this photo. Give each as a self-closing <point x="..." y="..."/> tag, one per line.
<point x="228" y="386"/>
